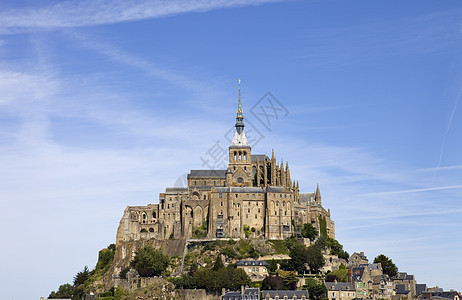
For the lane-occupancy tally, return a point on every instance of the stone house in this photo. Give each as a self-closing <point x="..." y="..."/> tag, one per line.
<point x="284" y="295"/>
<point x="357" y="259"/>
<point x="257" y="270"/>
<point x="405" y="284"/>
<point x="245" y="293"/>
<point x="366" y="279"/>
<point x="340" y="290"/>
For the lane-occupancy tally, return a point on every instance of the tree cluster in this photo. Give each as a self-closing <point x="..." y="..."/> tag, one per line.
<point x="388" y="267"/>
<point x="302" y="256"/>
<point x="150" y="262"/>
<point x="213" y="279"/>
<point x="316" y="290"/>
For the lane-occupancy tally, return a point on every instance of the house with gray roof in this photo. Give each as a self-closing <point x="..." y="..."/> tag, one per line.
<point x="243" y="294"/>
<point x="284" y="294"/>
<point x="257" y="270"/>
<point x="340" y="290"/>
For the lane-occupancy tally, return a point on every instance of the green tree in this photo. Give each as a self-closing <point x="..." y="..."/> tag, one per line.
<point x="388" y="267"/>
<point x="322" y="226"/>
<point x="272" y="265"/>
<point x="340" y="275"/>
<point x="272" y="283"/>
<point x="150" y="261"/>
<point x="81" y="276"/>
<point x="315" y="258"/>
<point x="315" y="289"/>
<point x="65" y="291"/>
<point x="298" y="257"/>
<point x="218" y="264"/>
<point x="308" y="231"/>
<point x="290" y="281"/>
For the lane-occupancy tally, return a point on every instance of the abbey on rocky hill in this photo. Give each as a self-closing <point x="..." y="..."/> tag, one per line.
<point x="254" y="197"/>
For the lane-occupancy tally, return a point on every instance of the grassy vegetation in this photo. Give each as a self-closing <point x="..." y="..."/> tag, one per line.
<point x="280" y="246"/>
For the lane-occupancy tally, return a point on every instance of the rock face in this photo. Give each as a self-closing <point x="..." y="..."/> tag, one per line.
<point x="149" y="288"/>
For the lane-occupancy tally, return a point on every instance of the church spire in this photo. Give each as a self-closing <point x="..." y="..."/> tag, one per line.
<point x="239" y="138"/>
<point x="240" y="115"/>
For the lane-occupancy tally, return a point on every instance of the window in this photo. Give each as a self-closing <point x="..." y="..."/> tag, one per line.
<point x="195" y="183"/>
<point x="205" y="182"/>
<point x="220" y="195"/>
<point x="205" y="198"/>
<point x="280" y="195"/>
<point x="168" y="206"/>
<point x="253" y="195"/>
<point x="221" y="203"/>
<point x="236" y="195"/>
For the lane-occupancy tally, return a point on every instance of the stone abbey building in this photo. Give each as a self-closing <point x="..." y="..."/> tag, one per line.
<point x="253" y="197"/>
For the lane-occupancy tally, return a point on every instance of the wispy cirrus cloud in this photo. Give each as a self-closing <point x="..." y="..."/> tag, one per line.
<point x="89" y="13"/>
<point x="439" y="188"/>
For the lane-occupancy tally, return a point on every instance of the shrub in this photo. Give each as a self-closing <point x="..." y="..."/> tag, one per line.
<point x="150" y="262"/>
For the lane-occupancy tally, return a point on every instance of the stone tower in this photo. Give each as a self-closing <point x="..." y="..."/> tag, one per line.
<point x="240" y="162"/>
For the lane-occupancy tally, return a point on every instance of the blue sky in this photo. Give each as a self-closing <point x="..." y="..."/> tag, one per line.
<point x="105" y="103"/>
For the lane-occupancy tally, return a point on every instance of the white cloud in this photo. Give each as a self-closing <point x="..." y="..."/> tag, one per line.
<point x="98" y="12"/>
<point x="19" y="86"/>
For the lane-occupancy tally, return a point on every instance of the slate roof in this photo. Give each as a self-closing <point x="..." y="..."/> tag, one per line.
<point x="243" y="189"/>
<point x="306" y="197"/>
<point x="176" y="189"/>
<point x="401" y="289"/>
<point x="419" y="288"/>
<point x="251" y="263"/>
<point x="258" y="157"/>
<point x="339" y="286"/>
<point x="441" y="295"/>
<point x="232" y="296"/>
<point x="370" y="266"/>
<point x="289" y="293"/>
<point x="249" y="292"/>
<point x="358" y="274"/>
<point x="362" y="256"/>
<point x="277" y="189"/>
<point x="207" y="173"/>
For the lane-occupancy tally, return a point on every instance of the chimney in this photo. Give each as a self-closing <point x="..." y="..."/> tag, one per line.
<point x="362" y="253"/>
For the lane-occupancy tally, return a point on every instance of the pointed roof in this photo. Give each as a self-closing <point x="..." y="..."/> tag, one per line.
<point x="239" y="138"/>
<point x="318" y="193"/>
<point x="239" y="114"/>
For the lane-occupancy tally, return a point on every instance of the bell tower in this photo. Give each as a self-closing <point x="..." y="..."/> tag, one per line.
<point x="240" y="162"/>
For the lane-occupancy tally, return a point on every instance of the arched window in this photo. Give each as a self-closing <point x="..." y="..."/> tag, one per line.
<point x="154" y="215"/>
<point x="240" y="155"/>
<point x="245" y="155"/>
<point x="235" y="155"/>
